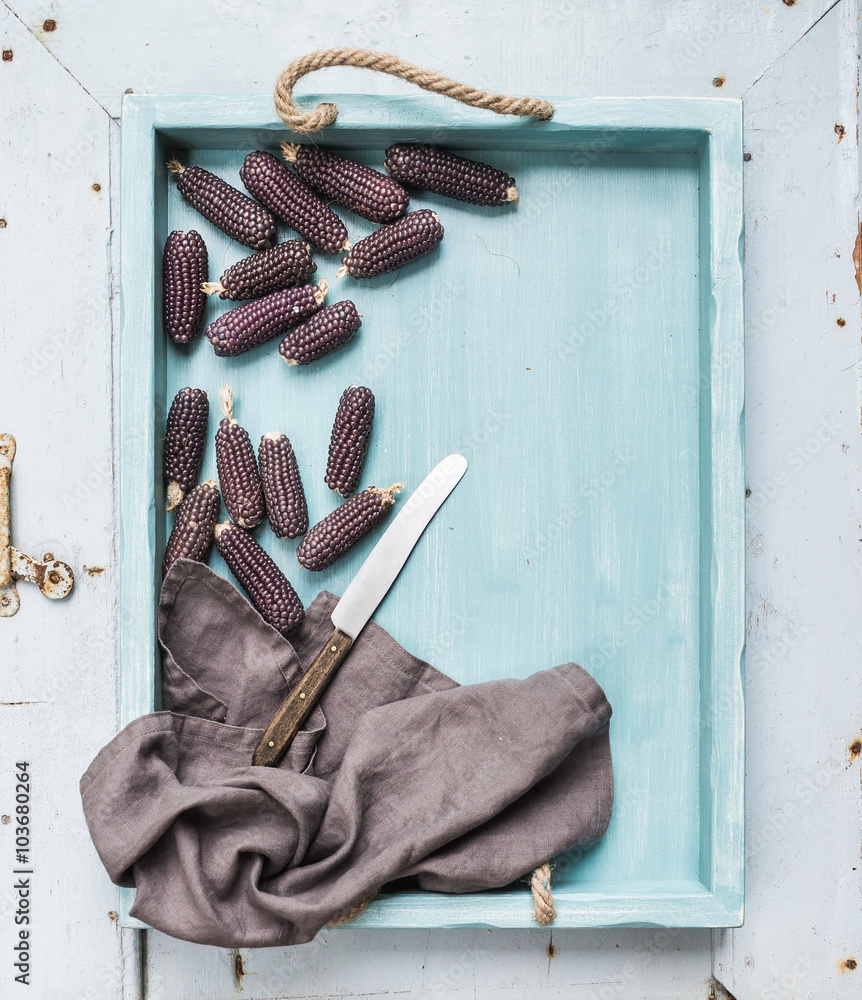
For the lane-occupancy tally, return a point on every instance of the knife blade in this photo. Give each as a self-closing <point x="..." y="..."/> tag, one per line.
<point x="358" y="603"/>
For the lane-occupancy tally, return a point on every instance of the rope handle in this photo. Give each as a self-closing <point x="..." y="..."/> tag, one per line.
<point x="381" y="62"/>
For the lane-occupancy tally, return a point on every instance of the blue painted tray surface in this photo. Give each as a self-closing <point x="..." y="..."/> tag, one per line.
<point x="583" y="349"/>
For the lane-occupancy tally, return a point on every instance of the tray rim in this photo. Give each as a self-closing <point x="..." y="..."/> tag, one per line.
<point x="710" y="126"/>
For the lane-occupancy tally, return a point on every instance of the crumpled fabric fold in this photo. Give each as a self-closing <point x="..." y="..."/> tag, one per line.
<point x="399" y="772"/>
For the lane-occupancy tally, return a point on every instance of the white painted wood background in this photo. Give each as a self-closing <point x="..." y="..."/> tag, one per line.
<point x="795" y="66"/>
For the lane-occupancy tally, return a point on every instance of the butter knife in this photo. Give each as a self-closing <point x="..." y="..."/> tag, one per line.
<point x="358" y="603"/>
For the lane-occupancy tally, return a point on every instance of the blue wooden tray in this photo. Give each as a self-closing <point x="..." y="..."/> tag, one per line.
<point x="584" y="349"/>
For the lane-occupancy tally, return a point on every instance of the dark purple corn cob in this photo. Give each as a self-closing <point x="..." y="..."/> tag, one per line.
<point x="290" y="199"/>
<point x="185" y="437"/>
<point x="442" y="172"/>
<point x="244" y="327"/>
<point x="348" y="444"/>
<point x="326" y="330"/>
<point x="389" y="247"/>
<point x="339" y="531"/>
<point x="367" y="192"/>
<point x="232" y="211"/>
<point x="267" y="587"/>
<point x="184" y="268"/>
<point x="282" y="266"/>
<point x="192" y="533"/>
<point x="282" y="487"/>
<point x="237" y="469"/>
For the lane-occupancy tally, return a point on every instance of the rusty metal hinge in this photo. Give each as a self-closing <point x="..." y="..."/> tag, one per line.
<point x="54" y="578"/>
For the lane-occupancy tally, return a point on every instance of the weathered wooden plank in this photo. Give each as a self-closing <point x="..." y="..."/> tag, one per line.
<point x="602" y="47"/>
<point x="58" y="695"/>
<point x="803" y="885"/>
<point x="475" y="964"/>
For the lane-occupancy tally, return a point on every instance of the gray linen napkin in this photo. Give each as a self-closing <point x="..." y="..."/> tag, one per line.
<point x="399" y="772"/>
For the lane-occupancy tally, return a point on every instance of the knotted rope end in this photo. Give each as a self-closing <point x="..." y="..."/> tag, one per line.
<point x="306" y="122"/>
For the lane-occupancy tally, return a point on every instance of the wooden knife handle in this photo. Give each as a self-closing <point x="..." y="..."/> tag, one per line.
<point x="295" y="708"/>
